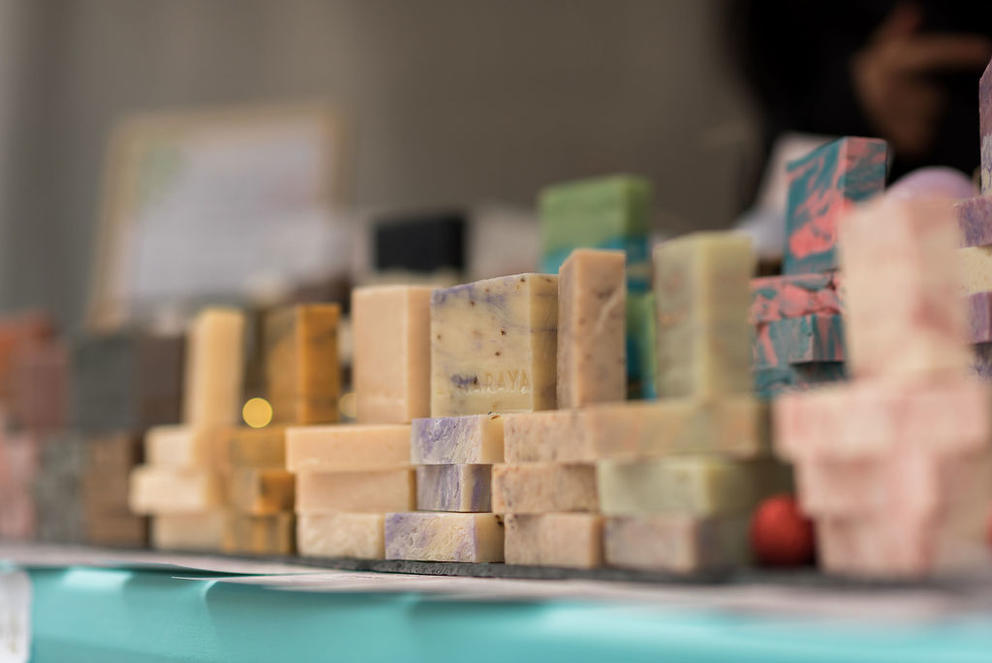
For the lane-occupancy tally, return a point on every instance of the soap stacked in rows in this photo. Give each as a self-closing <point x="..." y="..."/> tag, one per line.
<point x="799" y="332"/>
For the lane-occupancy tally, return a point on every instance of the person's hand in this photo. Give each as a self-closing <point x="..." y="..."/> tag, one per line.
<point x="891" y="78"/>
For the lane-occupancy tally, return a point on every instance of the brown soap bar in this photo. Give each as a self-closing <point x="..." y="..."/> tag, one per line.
<point x="108" y="462"/>
<point x="15" y="331"/>
<point x="253" y="447"/>
<point x="189" y="531"/>
<point x="124" y="530"/>
<point x="261" y="492"/>
<point x="675" y="543"/>
<point x="260" y="535"/>
<point x="39" y="384"/>
<point x="544" y="488"/>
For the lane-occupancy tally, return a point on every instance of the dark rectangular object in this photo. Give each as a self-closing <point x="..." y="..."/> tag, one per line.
<point x="420" y="243"/>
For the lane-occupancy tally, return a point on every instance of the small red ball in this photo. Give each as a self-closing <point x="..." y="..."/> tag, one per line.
<point x="780" y="534"/>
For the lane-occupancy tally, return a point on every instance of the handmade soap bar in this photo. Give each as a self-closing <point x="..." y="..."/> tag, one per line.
<point x="678" y="544"/>
<point x="975" y="220"/>
<point x="454" y="487"/>
<point x="472" y="439"/>
<point x="982" y="362"/>
<point x="769" y="382"/>
<point x="116" y="530"/>
<point x="420" y="243"/>
<point x="493" y="346"/>
<point x="357" y="535"/>
<point x="572" y="540"/>
<point x="260" y="535"/>
<point x="182" y="446"/>
<point x="907" y="320"/>
<point x="254" y="447"/>
<point x="391" y="331"/>
<point x="444" y="537"/>
<point x="976" y="269"/>
<point x="544" y="488"/>
<point x="985" y="113"/>
<point x="107" y="464"/>
<point x="57" y="487"/>
<point x="173" y="490"/>
<point x="189" y="531"/>
<point x="348" y="448"/>
<point x="302" y="375"/>
<point x="803" y="340"/>
<point x="38" y="385"/>
<point x="980" y="317"/>
<point x="592" y="310"/>
<point x="356" y="492"/>
<point x="261" y="491"/>
<point x="15" y="330"/>
<point x="642" y="359"/>
<point x="214" y="368"/>
<point x="702" y="298"/>
<point x="794" y="295"/>
<point x="823" y="186"/>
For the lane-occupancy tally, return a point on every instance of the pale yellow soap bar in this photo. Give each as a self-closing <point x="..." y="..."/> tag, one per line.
<point x="976" y="269"/>
<point x="356" y="535"/>
<point x="391" y="372"/>
<point x="348" y="448"/>
<point x="677" y="544"/>
<point x="592" y="313"/>
<point x="181" y="446"/>
<point x="702" y="299"/>
<point x="493" y="346"/>
<point x="571" y="540"/>
<point x="544" y="488"/>
<point x="261" y="491"/>
<point x="444" y="537"/>
<point x="254" y="447"/>
<point x="357" y="492"/>
<point x="173" y="490"/>
<point x="214" y="368"/>
<point x="273" y="534"/>
<point x="189" y="531"/>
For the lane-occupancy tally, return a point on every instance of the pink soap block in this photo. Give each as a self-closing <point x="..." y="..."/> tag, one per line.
<point x="17" y="514"/>
<point x="19" y="456"/>
<point x="793" y="295"/>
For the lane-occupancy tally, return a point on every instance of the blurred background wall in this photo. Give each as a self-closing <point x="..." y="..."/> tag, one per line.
<point x="453" y="102"/>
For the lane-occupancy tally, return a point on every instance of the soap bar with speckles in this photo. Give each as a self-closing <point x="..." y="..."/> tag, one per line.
<point x="544" y="488"/>
<point x="592" y="362"/>
<point x="348" y="448"/>
<point x="678" y="544"/>
<point x="391" y="331"/>
<point x="261" y="492"/>
<point x="444" y="537"/>
<point x="472" y="439"/>
<point x="189" y="531"/>
<point x="214" y="368"/>
<point x="702" y="296"/>
<point x="571" y="540"/>
<point x="493" y="346"/>
<point x="356" y="535"/>
<point x="356" y="492"/>
<point x="173" y="490"/>
<point x="273" y="534"/>
<point x="454" y="488"/>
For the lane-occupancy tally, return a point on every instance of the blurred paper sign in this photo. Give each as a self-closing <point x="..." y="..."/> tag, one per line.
<point x="216" y="204"/>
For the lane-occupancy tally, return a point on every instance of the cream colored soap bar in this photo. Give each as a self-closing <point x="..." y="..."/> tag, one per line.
<point x="357" y="535"/>
<point x="444" y="537"/>
<point x="571" y="540"/>
<point x="592" y="312"/>
<point x="544" y="488"/>
<point x="677" y="544"/>
<point x="493" y="346"/>
<point x="976" y="269"/>
<point x="273" y="534"/>
<point x="254" y="447"/>
<point x="472" y="439"/>
<point x="391" y="330"/>
<point x="356" y="492"/>
<point x="181" y="446"/>
<point x="189" y="531"/>
<point x="173" y="490"/>
<point x="261" y="492"/>
<point x="348" y="448"/>
<point x="702" y="298"/>
<point x="214" y="368"/>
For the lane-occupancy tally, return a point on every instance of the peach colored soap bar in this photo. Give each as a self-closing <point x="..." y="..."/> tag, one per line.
<point x="348" y="447"/>
<point x="189" y="531"/>
<point x="181" y="446"/>
<point x="444" y="537"/>
<point x="253" y="447"/>
<point x="544" y="488"/>
<point x="173" y="490"/>
<point x="391" y="330"/>
<point x="356" y="492"/>
<point x="356" y="535"/>
<point x="214" y="368"/>
<point x="493" y="346"/>
<point x="261" y="492"/>
<point x="592" y="311"/>
<point x="571" y="540"/>
<point x="273" y="534"/>
<point x="677" y="544"/>
<point x="472" y="439"/>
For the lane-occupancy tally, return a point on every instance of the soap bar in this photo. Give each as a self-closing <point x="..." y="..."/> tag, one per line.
<point x="173" y="490"/>
<point x="823" y="186"/>
<point x="356" y="492"/>
<point x="771" y="381"/>
<point x="570" y="540"/>
<point x="454" y="487"/>
<point x="183" y="446"/>
<point x="907" y="320"/>
<point x="975" y="220"/>
<point x="189" y="531"/>
<point x="391" y="331"/>
<point x="420" y="243"/>
<point x="982" y="363"/>
<point x="260" y="535"/>
<point x="107" y="465"/>
<point x="794" y="295"/>
<point x="642" y="359"/>
<point x="214" y="368"/>
<point x="592" y="310"/>
<point x="985" y="117"/>
<point x="444" y="537"/>
<point x="261" y="492"/>
<point x="975" y="264"/>
<point x="253" y="447"/>
<point x="334" y="535"/>
<point x="15" y="331"/>
<point x="493" y="346"/>
<point x="57" y="493"/>
<point x="802" y="340"/>
<point x="980" y="317"/>
<point x="687" y="485"/>
<point x="38" y="385"/>
<point x="677" y="544"/>
<point x="348" y="448"/>
<point x="544" y="488"/>
<point x="302" y="374"/>
<point x="702" y="298"/>
<point x="472" y="439"/>
<point x="118" y="530"/>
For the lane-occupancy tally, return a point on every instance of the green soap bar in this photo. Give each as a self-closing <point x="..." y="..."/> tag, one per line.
<point x="642" y="359"/>
<point x="590" y="212"/>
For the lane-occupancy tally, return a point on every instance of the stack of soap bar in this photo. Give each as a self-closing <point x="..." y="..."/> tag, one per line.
<point x="109" y="460"/>
<point x="58" y="488"/>
<point x="18" y="468"/>
<point x="975" y="221"/>
<point x="612" y="212"/>
<point x="894" y="466"/>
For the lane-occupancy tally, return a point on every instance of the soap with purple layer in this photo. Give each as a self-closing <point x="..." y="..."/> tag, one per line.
<point x="975" y="220"/>
<point x="444" y="537"/>
<point x="985" y="122"/>
<point x="464" y="488"/>
<point x="472" y="439"/>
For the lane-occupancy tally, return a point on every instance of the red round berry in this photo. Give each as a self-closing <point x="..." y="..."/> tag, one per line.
<point x="780" y="534"/>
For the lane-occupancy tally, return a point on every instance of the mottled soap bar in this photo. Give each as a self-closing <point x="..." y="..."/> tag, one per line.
<point x="980" y="317"/>
<point x="769" y="382"/>
<point x="348" y="448"/>
<point x="803" y="340"/>
<point x="202" y="531"/>
<point x="472" y="439"/>
<point x="464" y="488"/>
<point x="260" y="535"/>
<point x="261" y="492"/>
<point x="57" y="489"/>
<point x="678" y="544"/>
<point x="823" y="186"/>
<point x="975" y="220"/>
<point x="356" y="535"/>
<point x="493" y="346"/>
<point x="444" y="537"/>
<point x="985" y="121"/>
<point x="544" y="488"/>
<point x="794" y="295"/>
<point x="165" y="490"/>
<point x="356" y="492"/>
<point x="570" y="540"/>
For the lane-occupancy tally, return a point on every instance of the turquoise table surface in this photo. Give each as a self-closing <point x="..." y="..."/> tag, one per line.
<point x="109" y="615"/>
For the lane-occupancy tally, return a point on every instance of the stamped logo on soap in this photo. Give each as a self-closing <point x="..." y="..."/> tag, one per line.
<point x="508" y="380"/>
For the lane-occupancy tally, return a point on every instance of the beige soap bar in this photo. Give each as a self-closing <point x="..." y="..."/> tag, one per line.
<point x="173" y="490"/>
<point x="260" y="535"/>
<point x="214" y="368"/>
<point x="181" y="446"/>
<point x="261" y="491"/>
<point x="254" y="447"/>
<point x="493" y="346"/>
<point x="356" y="492"/>
<point x="677" y="544"/>
<point x="444" y="537"/>
<point x="391" y="330"/>
<point x="348" y="448"/>
<point x="592" y="312"/>
<point x="476" y="439"/>
<point x="702" y="299"/>
<point x="544" y="488"/>
<point x="571" y="540"/>
<point x="356" y="535"/>
<point x="189" y="531"/>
